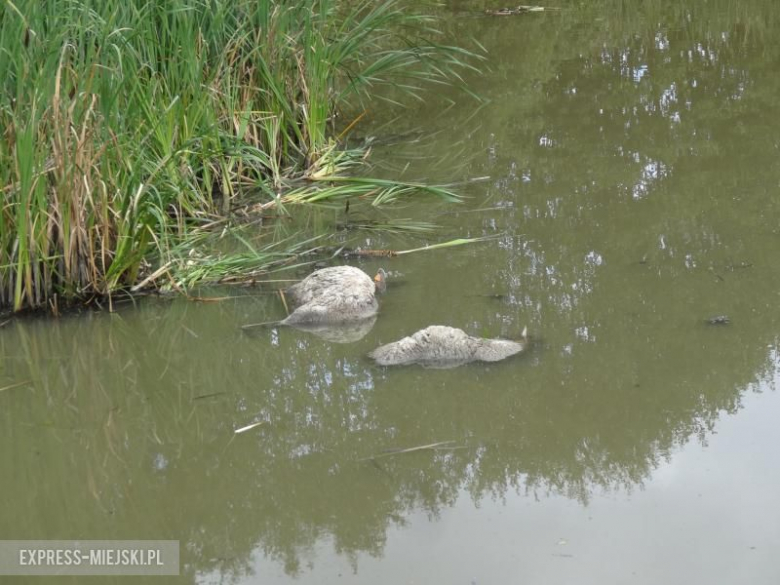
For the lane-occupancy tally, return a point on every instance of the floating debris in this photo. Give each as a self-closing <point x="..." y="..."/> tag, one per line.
<point x="428" y="447"/>
<point x="12" y="386"/>
<point x="719" y="320"/>
<point x="522" y="9"/>
<point x="248" y="427"/>
<point x="211" y="395"/>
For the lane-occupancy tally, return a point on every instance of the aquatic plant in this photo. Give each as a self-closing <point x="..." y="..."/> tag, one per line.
<point x="129" y="124"/>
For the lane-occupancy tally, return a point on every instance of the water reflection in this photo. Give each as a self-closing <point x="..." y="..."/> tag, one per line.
<point x="634" y="170"/>
<point x="339" y="332"/>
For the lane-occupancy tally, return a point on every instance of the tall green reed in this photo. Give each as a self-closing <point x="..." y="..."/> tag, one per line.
<point x="129" y="123"/>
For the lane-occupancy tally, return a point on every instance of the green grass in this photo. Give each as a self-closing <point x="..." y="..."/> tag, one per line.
<point x="128" y="125"/>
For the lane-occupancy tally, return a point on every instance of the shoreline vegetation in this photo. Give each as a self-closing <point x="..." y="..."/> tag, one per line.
<point x="133" y="132"/>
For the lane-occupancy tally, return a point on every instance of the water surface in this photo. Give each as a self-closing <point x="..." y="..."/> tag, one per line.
<point x="633" y="166"/>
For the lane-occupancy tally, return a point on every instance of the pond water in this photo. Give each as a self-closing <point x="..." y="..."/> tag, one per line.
<point x="629" y="157"/>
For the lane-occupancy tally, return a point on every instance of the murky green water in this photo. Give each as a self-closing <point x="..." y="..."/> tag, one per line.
<point x="633" y="156"/>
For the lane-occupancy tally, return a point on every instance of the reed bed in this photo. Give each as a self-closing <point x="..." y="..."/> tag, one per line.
<point x="129" y="125"/>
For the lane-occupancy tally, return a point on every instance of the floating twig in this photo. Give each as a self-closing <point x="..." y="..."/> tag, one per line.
<point x="12" y="386"/>
<point x="248" y="427"/>
<point x="369" y="253"/>
<point x="209" y="299"/>
<point x="190" y="331"/>
<point x="522" y="9"/>
<point x="389" y="452"/>
<point x="211" y="395"/>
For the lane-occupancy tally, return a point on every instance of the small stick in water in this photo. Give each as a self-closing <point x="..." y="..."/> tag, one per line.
<point x="389" y="452"/>
<point x="248" y="427"/>
<point x="12" y="386"/>
<point x="284" y="301"/>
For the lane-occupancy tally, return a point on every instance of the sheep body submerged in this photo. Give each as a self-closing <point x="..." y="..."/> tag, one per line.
<point x="339" y="294"/>
<point x="440" y="346"/>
